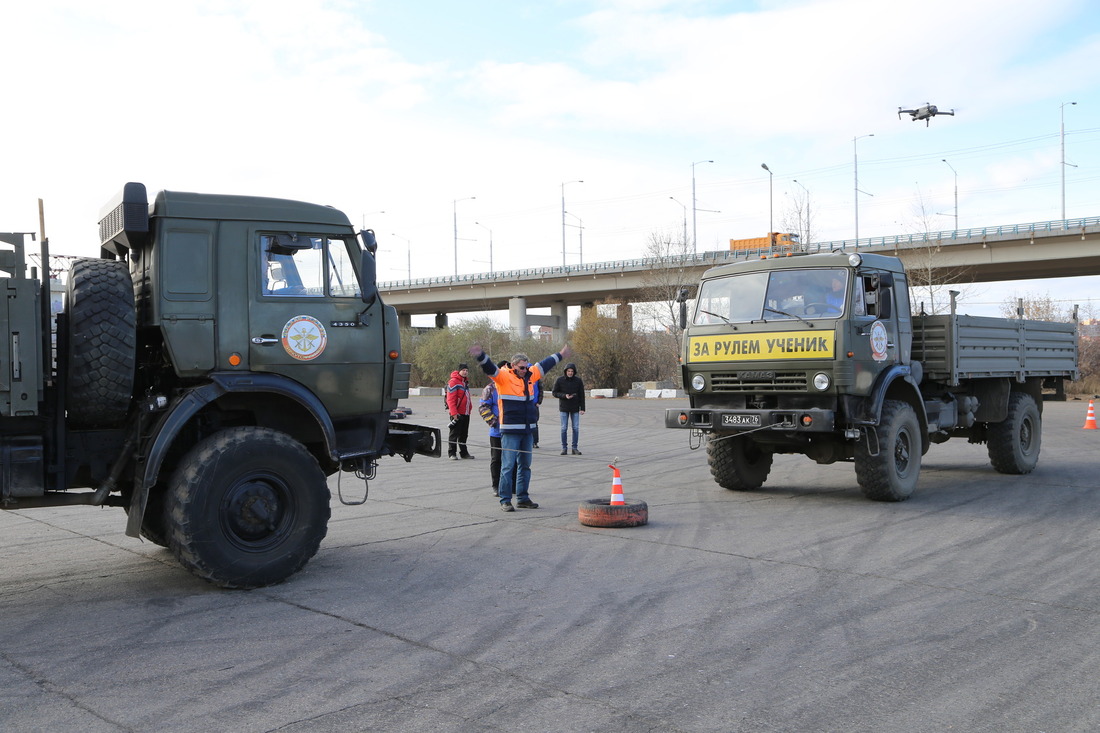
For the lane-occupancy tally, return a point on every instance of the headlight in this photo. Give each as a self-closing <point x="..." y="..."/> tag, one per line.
<point x="821" y="381"/>
<point x="855" y="260"/>
<point x="698" y="382"/>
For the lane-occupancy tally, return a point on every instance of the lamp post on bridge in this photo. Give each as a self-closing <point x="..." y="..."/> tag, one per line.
<point x="1062" y="111"/>
<point x="771" y="179"/>
<point x="490" y="244"/>
<point x="855" y="168"/>
<point x="455" y="210"/>
<point x="408" y="255"/>
<point x="957" y="195"/>
<point x="563" y="219"/>
<point x="694" y="203"/>
<point x="685" y="208"/>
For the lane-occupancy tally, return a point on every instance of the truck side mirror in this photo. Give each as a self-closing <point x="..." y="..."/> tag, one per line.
<point x="682" y="300"/>
<point x="368" y="273"/>
<point x="370" y="242"/>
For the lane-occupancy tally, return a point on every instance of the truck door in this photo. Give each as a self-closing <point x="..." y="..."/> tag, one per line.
<point x="882" y="332"/>
<point x="308" y="322"/>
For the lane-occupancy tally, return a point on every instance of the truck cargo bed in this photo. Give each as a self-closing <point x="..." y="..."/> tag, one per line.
<point x="956" y="347"/>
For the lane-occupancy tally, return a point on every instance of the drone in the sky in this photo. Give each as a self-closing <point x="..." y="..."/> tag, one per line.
<point x="925" y="112"/>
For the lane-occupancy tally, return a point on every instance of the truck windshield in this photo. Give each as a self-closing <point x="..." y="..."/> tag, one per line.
<point x="776" y="295"/>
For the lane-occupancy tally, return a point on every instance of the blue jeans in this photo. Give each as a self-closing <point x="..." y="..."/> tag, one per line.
<point x="516" y="448"/>
<point x="565" y="419"/>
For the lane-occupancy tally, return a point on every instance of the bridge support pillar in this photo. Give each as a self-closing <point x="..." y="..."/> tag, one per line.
<point x="404" y="320"/>
<point x="440" y="320"/>
<point x="560" y="312"/>
<point x="517" y="317"/>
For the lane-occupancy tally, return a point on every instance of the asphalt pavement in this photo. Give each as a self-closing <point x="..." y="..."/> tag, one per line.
<point x="974" y="606"/>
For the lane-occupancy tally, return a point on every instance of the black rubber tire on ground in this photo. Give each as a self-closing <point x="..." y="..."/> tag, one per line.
<point x="102" y="342"/>
<point x="247" y="507"/>
<point x="737" y="463"/>
<point x="892" y="474"/>
<point x="1014" y="443"/>
<point x="600" y="513"/>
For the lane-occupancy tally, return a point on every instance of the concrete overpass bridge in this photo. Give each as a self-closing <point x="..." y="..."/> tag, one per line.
<point x="1061" y="248"/>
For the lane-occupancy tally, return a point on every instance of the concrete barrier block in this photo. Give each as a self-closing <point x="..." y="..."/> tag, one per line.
<point x="425" y="391"/>
<point x="603" y="393"/>
<point x="663" y="394"/>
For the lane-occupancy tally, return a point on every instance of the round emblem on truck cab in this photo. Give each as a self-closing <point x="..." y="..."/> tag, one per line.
<point x="880" y="341"/>
<point x="304" y="338"/>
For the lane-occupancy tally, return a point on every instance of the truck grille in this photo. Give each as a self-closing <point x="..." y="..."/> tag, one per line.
<point x="755" y="382"/>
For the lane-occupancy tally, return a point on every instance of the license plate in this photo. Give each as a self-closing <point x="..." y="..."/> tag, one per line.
<point x="742" y="421"/>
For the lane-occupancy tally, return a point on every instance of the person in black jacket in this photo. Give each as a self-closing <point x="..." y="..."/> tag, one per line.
<point x="569" y="389"/>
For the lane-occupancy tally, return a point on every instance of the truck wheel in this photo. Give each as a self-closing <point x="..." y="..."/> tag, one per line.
<point x="1014" y="443"/>
<point x="247" y="507"/>
<point x="102" y="342"/>
<point x="738" y="463"/>
<point x="892" y="474"/>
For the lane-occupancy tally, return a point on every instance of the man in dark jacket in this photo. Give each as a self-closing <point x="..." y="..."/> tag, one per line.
<point x="569" y="389"/>
<point x="459" y="407"/>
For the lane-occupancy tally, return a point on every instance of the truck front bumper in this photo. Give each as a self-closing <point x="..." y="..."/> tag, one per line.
<point x="811" y="420"/>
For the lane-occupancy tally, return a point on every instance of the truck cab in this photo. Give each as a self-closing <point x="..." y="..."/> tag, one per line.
<point x="220" y="359"/>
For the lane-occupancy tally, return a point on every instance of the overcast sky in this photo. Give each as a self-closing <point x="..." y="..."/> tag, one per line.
<point x="410" y="108"/>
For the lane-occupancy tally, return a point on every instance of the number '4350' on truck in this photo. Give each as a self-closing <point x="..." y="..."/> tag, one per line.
<point x="820" y="355"/>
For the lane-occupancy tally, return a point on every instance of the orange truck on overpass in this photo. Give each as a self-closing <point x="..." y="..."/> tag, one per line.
<point x="770" y="240"/>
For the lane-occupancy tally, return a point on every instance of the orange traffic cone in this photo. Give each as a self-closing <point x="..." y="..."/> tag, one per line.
<point x="616" y="488"/>
<point x="1090" y="418"/>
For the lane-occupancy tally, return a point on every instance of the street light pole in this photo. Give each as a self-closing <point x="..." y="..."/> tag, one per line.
<point x="694" y="228"/>
<point x="957" y="194"/>
<point x="563" y="219"/>
<point x="805" y="240"/>
<point x="855" y="168"/>
<point x="490" y="244"/>
<point x="455" y="210"/>
<point x="685" y="208"/>
<point x="1062" y="110"/>
<point x="771" y="179"/>
<point x="408" y="255"/>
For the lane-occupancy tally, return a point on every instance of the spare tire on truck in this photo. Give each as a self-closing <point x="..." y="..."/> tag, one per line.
<point x="102" y="348"/>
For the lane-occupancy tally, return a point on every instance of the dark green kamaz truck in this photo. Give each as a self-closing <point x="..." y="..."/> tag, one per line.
<point x="820" y="355"/>
<point x="221" y="358"/>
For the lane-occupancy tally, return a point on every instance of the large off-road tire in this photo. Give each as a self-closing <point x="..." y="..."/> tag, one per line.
<point x="892" y="474"/>
<point x="247" y="507"/>
<point x="1014" y="443"/>
<point x="737" y="463"/>
<point x="601" y="513"/>
<point x="102" y="342"/>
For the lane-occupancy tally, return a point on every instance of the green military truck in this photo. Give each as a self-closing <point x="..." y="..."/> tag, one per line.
<point x="820" y="355"/>
<point x="220" y="359"/>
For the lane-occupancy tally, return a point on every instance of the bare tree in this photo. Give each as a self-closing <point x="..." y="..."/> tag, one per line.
<point x="661" y="286"/>
<point x="798" y="218"/>
<point x="929" y="281"/>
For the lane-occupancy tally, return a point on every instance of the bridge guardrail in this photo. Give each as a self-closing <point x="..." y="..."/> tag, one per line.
<point x="713" y="257"/>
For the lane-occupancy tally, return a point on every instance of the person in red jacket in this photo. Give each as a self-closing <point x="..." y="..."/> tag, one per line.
<point x="459" y="407"/>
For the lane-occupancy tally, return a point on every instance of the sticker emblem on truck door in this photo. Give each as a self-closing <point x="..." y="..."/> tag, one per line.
<point x="880" y="340"/>
<point x="304" y="338"/>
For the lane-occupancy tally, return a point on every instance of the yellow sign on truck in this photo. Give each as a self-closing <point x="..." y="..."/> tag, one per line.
<point x="773" y="345"/>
